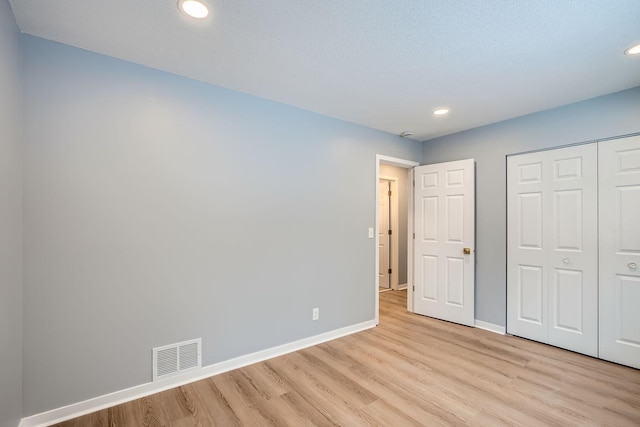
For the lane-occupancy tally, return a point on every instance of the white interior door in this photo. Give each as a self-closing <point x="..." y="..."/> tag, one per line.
<point x="552" y="247"/>
<point x="383" y="234"/>
<point x="619" y="193"/>
<point x="444" y="206"/>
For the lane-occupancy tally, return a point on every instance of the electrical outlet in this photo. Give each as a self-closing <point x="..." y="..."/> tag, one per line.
<point x="371" y="232"/>
<point x="315" y="314"/>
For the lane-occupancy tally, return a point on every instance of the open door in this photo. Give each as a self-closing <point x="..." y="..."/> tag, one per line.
<point x="384" y="236"/>
<point x="444" y="256"/>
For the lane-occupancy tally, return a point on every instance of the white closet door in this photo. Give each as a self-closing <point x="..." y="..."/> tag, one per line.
<point x="573" y="243"/>
<point x="619" y="192"/>
<point x="552" y="247"/>
<point x="526" y="250"/>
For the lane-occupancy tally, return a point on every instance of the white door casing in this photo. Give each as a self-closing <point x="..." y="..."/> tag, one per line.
<point x="444" y="225"/>
<point x="383" y="236"/>
<point x="411" y="247"/>
<point x="408" y="164"/>
<point x="552" y="247"/>
<point x="619" y="216"/>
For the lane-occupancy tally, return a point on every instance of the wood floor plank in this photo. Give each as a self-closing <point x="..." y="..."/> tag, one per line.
<point x="307" y="410"/>
<point x="247" y="403"/>
<point x="215" y="404"/>
<point x="405" y="395"/>
<point x="380" y="413"/>
<point x="455" y="384"/>
<point x="409" y="371"/>
<point x="178" y="403"/>
<point x="342" y="409"/>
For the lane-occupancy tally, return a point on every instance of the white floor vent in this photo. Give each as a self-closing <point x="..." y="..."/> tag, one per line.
<point x="176" y="358"/>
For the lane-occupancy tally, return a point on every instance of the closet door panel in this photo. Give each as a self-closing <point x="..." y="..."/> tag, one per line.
<point x="573" y="253"/>
<point x="552" y="247"/>
<point x="619" y="217"/>
<point x="527" y="260"/>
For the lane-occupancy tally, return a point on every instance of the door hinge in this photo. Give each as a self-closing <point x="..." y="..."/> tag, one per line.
<point x="414" y="287"/>
<point x="389" y="271"/>
<point x="389" y="193"/>
<point x="414" y="182"/>
<point x="414" y="235"/>
<point x="389" y="232"/>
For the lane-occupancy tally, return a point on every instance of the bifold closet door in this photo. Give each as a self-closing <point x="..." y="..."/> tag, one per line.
<point x="552" y="270"/>
<point x="619" y="194"/>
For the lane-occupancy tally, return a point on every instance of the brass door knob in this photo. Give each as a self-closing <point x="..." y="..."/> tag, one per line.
<point x="466" y="251"/>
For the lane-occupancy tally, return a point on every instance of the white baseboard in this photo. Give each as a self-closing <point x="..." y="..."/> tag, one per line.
<point x="95" y="404"/>
<point x="490" y="327"/>
<point x="402" y="287"/>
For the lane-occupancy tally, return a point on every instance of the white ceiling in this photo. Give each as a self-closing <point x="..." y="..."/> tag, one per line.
<point x="385" y="64"/>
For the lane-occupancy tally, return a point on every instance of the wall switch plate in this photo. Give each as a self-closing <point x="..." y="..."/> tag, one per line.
<point x="315" y="314"/>
<point x="371" y="232"/>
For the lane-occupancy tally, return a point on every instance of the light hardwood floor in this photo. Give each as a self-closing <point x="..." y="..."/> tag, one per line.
<point x="409" y="371"/>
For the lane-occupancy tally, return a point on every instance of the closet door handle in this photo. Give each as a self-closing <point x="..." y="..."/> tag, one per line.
<point x="632" y="266"/>
<point x="566" y="260"/>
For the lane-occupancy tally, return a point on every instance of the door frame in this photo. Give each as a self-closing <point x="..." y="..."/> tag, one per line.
<point x="394" y="221"/>
<point x="409" y="165"/>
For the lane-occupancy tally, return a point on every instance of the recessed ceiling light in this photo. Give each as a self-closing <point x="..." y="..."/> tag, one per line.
<point x="633" y="50"/>
<point x="441" y="112"/>
<point x="194" y="8"/>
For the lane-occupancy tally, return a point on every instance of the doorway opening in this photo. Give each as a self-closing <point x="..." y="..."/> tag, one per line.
<point x="387" y="201"/>
<point x="392" y="228"/>
<point x="393" y="253"/>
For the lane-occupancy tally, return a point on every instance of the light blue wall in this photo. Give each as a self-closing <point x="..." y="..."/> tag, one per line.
<point x="10" y="222"/>
<point x="603" y="117"/>
<point x="160" y="209"/>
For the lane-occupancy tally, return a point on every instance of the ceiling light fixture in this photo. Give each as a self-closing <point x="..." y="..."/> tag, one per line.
<point x="406" y="133"/>
<point x="441" y="112"/>
<point x="633" y="50"/>
<point x="194" y="8"/>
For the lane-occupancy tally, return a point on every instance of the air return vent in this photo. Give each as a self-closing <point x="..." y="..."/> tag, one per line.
<point x="176" y="358"/>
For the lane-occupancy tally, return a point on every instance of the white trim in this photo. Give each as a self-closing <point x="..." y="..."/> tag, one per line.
<point x="490" y="327"/>
<point x="91" y="405"/>
<point x="410" y="241"/>
<point x="395" y="161"/>
<point x="402" y="287"/>
<point x="376" y="244"/>
<point x="408" y="164"/>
